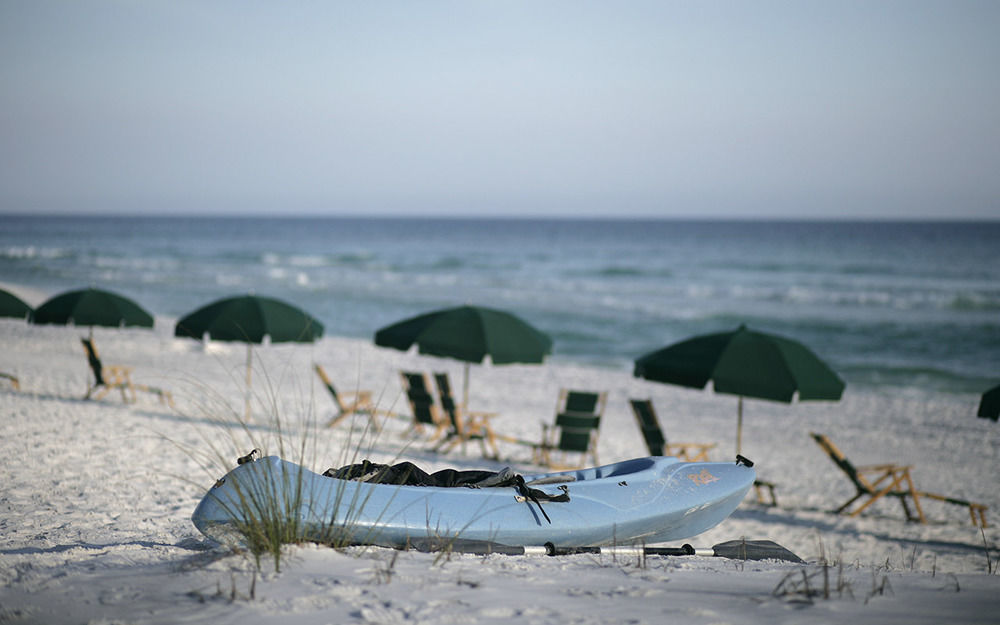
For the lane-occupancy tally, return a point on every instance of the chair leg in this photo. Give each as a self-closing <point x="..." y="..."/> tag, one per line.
<point x="906" y="509"/>
<point x="491" y="440"/>
<point x="760" y="487"/>
<point x="340" y="416"/>
<point x="916" y="497"/>
<point x="848" y="503"/>
<point x="978" y="514"/>
<point x="898" y="477"/>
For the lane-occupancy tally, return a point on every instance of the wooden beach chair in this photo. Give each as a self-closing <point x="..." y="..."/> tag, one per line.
<point x="874" y="482"/>
<point x="348" y="403"/>
<point x="425" y="412"/>
<point x="657" y="443"/>
<point x="14" y="382"/>
<point x="574" y="432"/>
<point x="110" y="377"/>
<point x="465" y="425"/>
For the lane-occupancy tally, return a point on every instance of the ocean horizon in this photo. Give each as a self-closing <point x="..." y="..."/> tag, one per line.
<point x="887" y="303"/>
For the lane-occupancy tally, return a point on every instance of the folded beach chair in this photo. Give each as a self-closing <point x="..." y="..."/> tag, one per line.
<point x="465" y="425"/>
<point x="657" y="443"/>
<point x="108" y="378"/>
<point x="876" y="481"/>
<point x="349" y="403"/>
<point x="574" y="432"/>
<point x="425" y="411"/>
<point x="14" y="382"/>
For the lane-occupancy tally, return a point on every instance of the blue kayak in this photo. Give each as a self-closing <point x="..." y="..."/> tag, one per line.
<point x="644" y="500"/>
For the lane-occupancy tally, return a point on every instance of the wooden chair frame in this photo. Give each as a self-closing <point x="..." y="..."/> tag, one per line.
<point x="348" y="403"/>
<point x="14" y="382"/>
<point x="110" y="377"/>
<point x="876" y="481"/>
<point x="465" y="425"/>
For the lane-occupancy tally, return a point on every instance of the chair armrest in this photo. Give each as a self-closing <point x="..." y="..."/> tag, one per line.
<point x="359" y="394"/>
<point x="480" y="414"/>
<point x="883" y="467"/>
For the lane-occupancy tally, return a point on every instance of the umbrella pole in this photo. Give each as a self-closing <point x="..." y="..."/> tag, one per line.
<point x="739" y="425"/>
<point x="465" y="390"/>
<point x="246" y="407"/>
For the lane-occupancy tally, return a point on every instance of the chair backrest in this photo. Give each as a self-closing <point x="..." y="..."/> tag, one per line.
<point x="649" y="425"/>
<point x="575" y="433"/>
<point x="94" y="360"/>
<point x="582" y="402"/>
<point x="448" y="401"/>
<point x="841" y="461"/>
<point x="328" y="383"/>
<point x="420" y="398"/>
<point x="578" y="419"/>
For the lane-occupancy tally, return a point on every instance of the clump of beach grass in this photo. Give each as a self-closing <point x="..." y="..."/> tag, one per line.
<point x="265" y="511"/>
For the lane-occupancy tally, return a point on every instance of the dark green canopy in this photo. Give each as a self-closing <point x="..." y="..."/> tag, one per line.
<point x="248" y="319"/>
<point x="989" y="405"/>
<point x="746" y="363"/>
<point x="92" y="307"/>
<point x="469" y="334"/>
<point x="13" y="306"/>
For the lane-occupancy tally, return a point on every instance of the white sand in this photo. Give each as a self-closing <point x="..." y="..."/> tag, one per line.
<point x="96" y="497"/>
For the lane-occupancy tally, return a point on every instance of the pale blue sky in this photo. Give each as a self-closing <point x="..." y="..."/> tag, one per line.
<point x="658" y="109"/>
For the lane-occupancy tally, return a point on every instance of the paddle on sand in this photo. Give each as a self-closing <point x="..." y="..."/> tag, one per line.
<point x="733" y="549"/>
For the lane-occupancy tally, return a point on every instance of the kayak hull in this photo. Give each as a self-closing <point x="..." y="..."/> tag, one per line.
<point x="644" y="500"/>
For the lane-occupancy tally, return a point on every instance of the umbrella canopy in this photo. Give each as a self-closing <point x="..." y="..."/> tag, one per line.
<point x="746" y="363"/>
<point x="989" y="405"/>
<point x="13" y="306"/>
<point x="92" y="307"/>
<point x="469" y="334"/>
<point x="248" y="319"/>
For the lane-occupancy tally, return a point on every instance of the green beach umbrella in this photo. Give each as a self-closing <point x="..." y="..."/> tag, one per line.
<point x="989" y="404"/>
<point x="469" y="334"/>
<point x="13" y="306"/>
<point x="746" y="363"/>
<point x="92" y="307"/>
<point x="248" y="319"/>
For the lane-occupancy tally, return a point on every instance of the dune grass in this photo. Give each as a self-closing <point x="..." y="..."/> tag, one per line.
<point x="265" y="511"/>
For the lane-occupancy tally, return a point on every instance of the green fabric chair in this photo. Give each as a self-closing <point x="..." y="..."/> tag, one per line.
<point x="111" y="377"/>
<point x="874" y="482"/>
<point x="657" y="443"/>
<point x="574" y="432"/>
<point x="465" y="425"/>
<point x="425" y="412"/>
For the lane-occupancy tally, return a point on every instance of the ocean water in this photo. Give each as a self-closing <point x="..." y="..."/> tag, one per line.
<point x="886" y="304"/>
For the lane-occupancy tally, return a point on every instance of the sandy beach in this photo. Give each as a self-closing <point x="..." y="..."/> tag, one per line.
<point x="621" y="177"/>
<point x="98" y="495"/>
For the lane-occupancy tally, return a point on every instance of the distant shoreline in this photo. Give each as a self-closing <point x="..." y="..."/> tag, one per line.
<point x="511" y="217"/>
